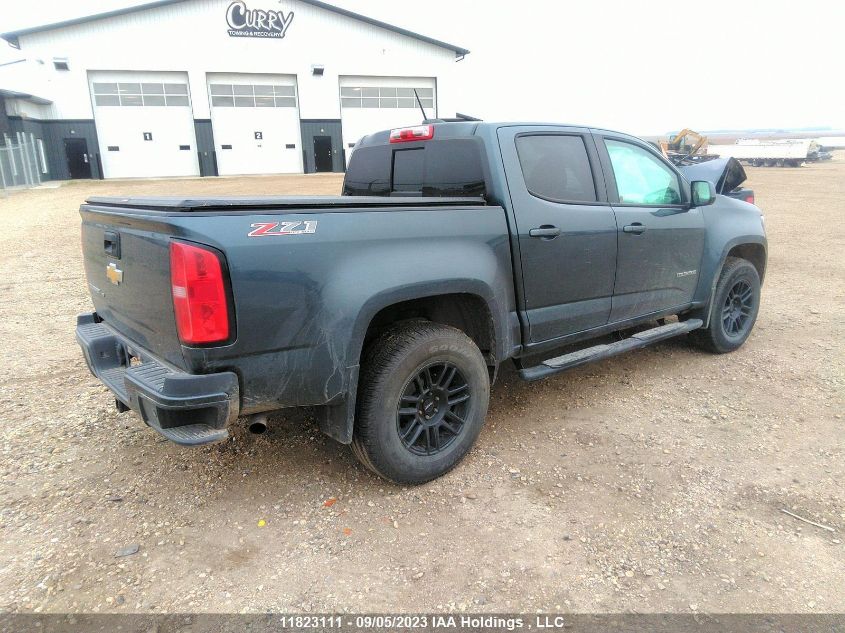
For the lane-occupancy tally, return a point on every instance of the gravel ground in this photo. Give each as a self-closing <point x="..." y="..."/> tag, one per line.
<point x="649" y="482"/>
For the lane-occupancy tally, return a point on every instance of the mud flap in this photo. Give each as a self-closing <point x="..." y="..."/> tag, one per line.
<point x="338" y="420"/>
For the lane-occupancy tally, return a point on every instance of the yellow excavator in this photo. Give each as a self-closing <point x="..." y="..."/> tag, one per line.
<point x="684" y="145"/>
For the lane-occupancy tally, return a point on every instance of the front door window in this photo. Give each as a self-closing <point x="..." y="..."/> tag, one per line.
<point x="641" y="178"/>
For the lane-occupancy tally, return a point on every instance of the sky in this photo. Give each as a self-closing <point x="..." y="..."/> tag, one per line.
<point x="645" y="67"/>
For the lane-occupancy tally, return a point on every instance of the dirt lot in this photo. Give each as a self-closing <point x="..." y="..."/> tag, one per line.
<point x="650" y="482"/>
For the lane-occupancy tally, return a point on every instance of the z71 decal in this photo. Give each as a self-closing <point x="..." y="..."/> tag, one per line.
<point x="266" y="229"/>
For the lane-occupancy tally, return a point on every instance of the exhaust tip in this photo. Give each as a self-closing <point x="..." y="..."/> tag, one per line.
<point x="257" y="428"/>
<point x="258" y="424"/>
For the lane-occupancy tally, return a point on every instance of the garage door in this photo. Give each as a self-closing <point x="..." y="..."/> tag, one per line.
<point x="256" y="123"/>
<point x="370" y="104"/>
<point x="145" y="125"/>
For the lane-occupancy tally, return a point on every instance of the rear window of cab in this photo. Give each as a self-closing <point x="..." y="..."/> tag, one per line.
<point x="451" y="167"/>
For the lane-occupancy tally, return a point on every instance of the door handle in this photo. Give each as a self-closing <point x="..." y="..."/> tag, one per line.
<point x="636" y="228"/>
<point x="111" y="244"/>
<point x="547" y="231"/>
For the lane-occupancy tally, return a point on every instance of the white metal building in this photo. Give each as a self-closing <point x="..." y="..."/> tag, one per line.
<point x="217" y="87"/>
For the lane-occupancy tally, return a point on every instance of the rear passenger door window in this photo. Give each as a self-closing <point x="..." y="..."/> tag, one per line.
<point x="555" y="167"/>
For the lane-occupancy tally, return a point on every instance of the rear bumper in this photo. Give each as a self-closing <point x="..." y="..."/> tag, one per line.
<point x="188" y="409"/>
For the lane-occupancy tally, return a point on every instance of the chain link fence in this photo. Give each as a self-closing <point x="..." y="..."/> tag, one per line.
<point x="22" y="161"/>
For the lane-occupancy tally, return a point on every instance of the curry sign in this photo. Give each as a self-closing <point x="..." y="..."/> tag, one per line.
<point x="244" y="22"/>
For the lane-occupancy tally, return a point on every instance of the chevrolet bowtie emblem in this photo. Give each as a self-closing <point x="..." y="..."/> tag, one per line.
<point x="114" y="274"/>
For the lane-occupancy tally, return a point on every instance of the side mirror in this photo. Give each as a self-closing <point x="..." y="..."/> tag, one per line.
<point x="703" y="193"/>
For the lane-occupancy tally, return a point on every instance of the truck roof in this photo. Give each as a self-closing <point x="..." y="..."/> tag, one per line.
<point x="458" y="129"/>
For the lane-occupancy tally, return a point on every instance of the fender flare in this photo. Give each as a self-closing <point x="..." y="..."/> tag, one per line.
<point x="729" y="246"/>
<point x="337" y="420"/>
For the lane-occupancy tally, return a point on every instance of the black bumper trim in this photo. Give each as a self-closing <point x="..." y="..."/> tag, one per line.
<point x="188" y="409"/>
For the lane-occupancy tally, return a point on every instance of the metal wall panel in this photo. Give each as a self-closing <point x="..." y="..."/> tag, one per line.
<point x="205" y="147"/>
<point x="53" y="134"/>
<point x="324" y="127"/>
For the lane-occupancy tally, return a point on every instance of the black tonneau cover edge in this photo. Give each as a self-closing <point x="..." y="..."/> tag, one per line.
<point x="273" y="203"/>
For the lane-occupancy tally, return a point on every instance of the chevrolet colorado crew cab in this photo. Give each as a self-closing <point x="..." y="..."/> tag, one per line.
<point x="455" y="246"/>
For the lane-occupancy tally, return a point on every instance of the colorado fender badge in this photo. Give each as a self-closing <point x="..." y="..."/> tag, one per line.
<point x="267" y="229"/>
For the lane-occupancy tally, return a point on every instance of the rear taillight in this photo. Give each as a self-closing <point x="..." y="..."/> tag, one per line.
<point x="407" y="134"/>
<point x="749" y="198"/>
<point x="199" y="294"/>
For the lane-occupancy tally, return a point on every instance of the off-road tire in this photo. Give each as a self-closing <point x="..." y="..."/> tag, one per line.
<point x="737" y="274"/>
<point x="389" y="371"/>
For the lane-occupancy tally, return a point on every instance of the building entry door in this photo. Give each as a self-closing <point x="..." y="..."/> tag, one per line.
<point x="323" y="153"/>
<point x="76" y="154"/>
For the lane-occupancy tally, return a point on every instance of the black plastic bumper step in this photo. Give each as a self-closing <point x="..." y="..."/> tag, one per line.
<point x="194" y="434"/>
<point x="600" y="352"/>
<point x="189" y="409"/>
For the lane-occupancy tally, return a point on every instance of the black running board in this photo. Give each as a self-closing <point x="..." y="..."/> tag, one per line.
<point x="600" y="352"/>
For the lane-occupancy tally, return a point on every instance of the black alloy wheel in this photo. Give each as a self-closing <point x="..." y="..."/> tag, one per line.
<point x="432" y="409"/>
<point x="737" y="309"/>
<point x="733" y="312"/>
<point x="422" y="397"/>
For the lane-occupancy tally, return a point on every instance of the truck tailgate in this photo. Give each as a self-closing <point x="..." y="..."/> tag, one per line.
<point x="127" y="266"/>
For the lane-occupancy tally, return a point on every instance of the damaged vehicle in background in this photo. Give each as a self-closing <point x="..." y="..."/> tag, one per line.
<point x="726" y="174"/>
<point x="456" y="246"/>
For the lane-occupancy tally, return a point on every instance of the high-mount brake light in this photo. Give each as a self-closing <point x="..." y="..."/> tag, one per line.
<point x="199" y="294"/>
<point x="416" y="133"/>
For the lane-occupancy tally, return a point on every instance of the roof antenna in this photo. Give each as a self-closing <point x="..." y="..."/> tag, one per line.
<point x="422" y="109"/>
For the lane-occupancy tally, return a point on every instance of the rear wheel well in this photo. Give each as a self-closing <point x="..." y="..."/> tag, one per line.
<point x="754" y="253"/>
<point x="466" y="312"/>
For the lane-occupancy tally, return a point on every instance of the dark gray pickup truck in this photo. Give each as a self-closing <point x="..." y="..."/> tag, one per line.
<point x="454" y="247"/>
